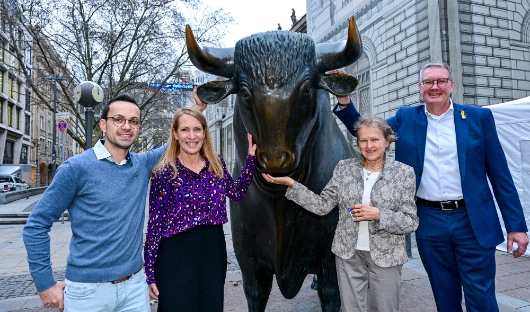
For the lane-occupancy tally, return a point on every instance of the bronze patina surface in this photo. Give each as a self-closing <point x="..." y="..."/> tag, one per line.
<point x="283" y="101"/>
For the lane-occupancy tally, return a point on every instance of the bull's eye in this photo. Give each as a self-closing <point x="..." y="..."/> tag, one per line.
<point x="245" y="94"/>
<point x="305" y="90"/>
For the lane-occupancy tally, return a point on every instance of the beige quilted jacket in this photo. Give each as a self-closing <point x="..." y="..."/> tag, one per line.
<point x="393" y="193"/>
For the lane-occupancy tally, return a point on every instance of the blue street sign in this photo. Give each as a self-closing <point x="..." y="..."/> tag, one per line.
<point x="172" y="86"/>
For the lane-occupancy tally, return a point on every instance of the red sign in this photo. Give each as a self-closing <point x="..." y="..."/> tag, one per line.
<point x="62" y="125"/>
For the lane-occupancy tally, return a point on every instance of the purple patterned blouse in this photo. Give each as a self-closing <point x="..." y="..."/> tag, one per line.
<point x="191" y="199"/>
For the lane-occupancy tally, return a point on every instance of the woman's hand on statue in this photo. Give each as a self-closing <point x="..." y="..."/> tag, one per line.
<point x="153" y="291"/>
<point x="199" y="104"/>
<point x="363" y="212"/>
<point x="278" y="180"/>
<point x="251" y="147"/>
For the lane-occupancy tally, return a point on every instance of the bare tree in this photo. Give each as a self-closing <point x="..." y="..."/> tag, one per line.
<point x="119" y="44"/>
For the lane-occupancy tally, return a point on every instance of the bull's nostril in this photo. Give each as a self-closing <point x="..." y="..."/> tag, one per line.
<point x="273" y="160"/>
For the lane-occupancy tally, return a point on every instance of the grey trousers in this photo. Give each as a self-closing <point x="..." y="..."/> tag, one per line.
<point x="357" y="273"/>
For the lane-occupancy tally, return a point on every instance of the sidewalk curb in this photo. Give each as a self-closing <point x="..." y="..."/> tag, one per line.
<point x="14" y="304"/>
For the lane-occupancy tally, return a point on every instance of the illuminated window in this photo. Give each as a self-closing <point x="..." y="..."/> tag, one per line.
<point x="10" y="87"/>
<point x="10" y="115"/>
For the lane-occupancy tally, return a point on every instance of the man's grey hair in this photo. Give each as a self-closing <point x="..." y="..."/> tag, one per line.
<point x="437" y="64"/>
<point x="375" y="122"/>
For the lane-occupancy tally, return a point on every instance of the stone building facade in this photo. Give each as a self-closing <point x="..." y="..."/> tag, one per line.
<point x="26" y="124"/>
<point x="15" y="112"/>
<point x="42" y="121"/>
<point x="486" y="43"/>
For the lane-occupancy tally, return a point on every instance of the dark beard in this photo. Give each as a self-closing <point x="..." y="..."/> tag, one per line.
<point x="120" y="146"/>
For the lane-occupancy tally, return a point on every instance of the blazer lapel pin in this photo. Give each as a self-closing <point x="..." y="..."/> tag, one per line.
<point x="463" y="114"/>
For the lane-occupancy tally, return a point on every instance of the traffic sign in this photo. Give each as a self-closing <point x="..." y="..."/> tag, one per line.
<point x="65" y="116"/>
<point x="62" y="125"/>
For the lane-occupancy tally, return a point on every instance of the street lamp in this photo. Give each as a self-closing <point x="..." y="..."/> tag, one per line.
<point x="88" y="94"/>
<point x="54" y="78"/>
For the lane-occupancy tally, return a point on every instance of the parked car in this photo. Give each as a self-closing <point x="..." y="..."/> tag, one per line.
<point x="10" y="183"/>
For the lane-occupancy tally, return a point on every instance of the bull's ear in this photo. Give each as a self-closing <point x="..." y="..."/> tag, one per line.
<point x="214" y="91"/>
<point x="338" y="84"/>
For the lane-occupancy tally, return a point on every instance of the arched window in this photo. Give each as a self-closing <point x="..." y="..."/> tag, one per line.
<point x="525" y="30"/>
<point x="361" y="96"/>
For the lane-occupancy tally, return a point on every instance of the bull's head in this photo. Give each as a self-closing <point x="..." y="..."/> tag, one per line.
<point x="276" y="76"/>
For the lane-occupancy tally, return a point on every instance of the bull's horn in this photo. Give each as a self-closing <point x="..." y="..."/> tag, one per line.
<point x="216" y="61"/>
<point x="340" y="54"/>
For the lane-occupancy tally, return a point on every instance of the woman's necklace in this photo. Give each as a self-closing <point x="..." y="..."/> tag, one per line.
<point x="368" y="168"/>
<point x="368" y="173"/>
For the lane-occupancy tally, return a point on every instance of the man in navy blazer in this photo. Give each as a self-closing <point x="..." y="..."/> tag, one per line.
<point x="454" y="149"/>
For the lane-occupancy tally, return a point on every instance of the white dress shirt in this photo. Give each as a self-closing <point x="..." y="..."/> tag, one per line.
<point x="440" y="179"/>
<point x="102" y="153"/>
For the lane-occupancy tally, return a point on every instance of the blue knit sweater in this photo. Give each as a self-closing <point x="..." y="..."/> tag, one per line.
<point x="106" y="204"/>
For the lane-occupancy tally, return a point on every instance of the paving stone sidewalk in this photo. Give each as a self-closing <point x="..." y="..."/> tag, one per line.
<point x="18" y="293"/>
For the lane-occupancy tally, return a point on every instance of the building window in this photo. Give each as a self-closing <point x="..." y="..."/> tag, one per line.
<point x="4" y="22"/>
<point x="525" y="29"/>
<point x="19" y="92"/>
<point x="20" y="39"/>
<point x="1" y="79"/>
<point x="28" y="54"/>
<point x="8" y="152"/>
<point x="361" y="96"/>
<point x="41" y="123"/>
<point x="10" y="115"/>
<point x="13" y="60"/>
<point x="1" y="112"/>
<point x="24" y="155"/>
<point x="27" y="125"/>
<point x="10" y="87"/>
<point x="28" y="100"/>
<point x="17" y="118"/>
<point x="1" y="51"/>
<point x="49" y="126"/>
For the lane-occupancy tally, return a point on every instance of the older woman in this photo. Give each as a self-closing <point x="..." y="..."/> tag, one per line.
<point x="185" y="250"/>
<point x="375" y="196"/>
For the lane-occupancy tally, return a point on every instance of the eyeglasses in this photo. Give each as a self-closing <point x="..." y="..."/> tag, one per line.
<point x="440" y="81"/>
<point x="119" y="121"/>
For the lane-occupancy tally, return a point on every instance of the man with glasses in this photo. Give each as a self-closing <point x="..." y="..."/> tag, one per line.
<point x="104" y="190"/>
<point x="454" y="149"/>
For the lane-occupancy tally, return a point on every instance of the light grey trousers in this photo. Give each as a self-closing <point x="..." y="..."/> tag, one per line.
<point x="357" y="273"/>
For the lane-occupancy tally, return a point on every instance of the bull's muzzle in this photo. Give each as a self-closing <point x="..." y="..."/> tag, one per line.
<point x="276" y="162"/>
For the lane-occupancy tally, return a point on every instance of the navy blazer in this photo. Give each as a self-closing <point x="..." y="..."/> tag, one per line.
<point x="480" y="156"/>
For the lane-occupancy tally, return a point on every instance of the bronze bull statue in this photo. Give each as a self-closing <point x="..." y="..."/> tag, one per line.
<point x="280" y="81"/>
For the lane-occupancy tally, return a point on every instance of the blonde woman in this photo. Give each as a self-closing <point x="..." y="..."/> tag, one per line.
<point x="185" y="251"/>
